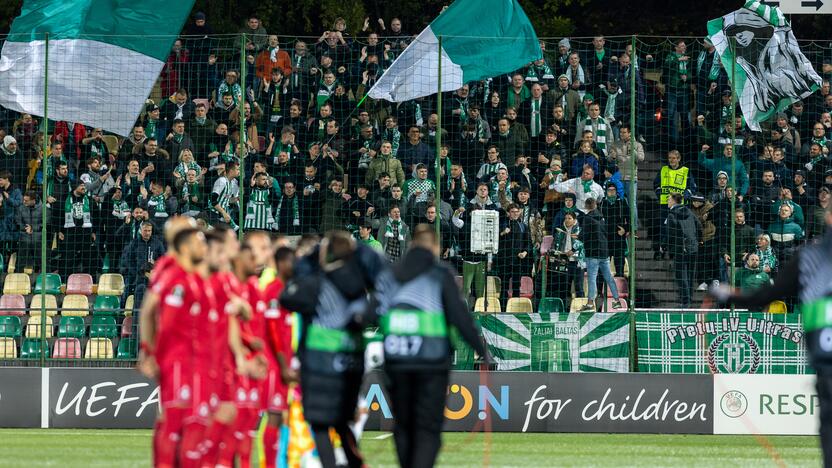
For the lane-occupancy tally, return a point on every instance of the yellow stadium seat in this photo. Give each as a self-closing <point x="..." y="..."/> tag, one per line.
<point x="777" y="307"/>
<point x="577" y="304"/>
<point x="111" y="284"/>
<point x="75" y="305"/>
<point x="99" y="348"/>
<point x="51" y="305"/>
<point x="493" y="286"/>
<point x="519" y="305"/>
<point x="8" y="348"/>
<point x="17" y="283"/>
<point x="493" y="305"/>
<point x="33" y="327"/>
<point x="128" y="305"/>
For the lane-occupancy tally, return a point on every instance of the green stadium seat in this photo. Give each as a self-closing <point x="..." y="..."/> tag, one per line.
<point x="34" y="349"/>
<point x="106" y="305"/>
<point x="72" y="327"/>
<point x="551" y="305"/>
<point x="53" y="284"/>
<point x="103" y="327"/>
<point x="10" y="326"/>
<point x="126" y="348"/>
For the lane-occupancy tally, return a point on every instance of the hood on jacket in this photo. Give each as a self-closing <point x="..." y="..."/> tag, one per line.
<point x="415" y="262"/>
<point x="682" y="212"/>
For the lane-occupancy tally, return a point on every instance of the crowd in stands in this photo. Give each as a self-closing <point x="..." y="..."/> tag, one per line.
<point x="549" y="147"/>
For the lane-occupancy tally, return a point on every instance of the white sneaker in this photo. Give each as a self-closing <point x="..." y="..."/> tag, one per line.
<point x="702" y="287"/>
<point x="715" y="284"/>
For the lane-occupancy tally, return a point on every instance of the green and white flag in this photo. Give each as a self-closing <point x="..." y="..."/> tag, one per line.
<point x="104" y="57"/>
<point x="772" y="71"/>
<point x="480" y="39"/>
<point x="558" y="342"/>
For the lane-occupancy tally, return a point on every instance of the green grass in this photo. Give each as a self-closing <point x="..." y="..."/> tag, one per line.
<point x="123" y="448"/>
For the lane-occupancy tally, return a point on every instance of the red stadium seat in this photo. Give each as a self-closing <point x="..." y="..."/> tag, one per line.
<point x="623" y="287"/>
<point x="12" y="304"/>
<point x="127" y="326"/>
<point x="546" y="244"/>
<point x="79" y="283"/>
<point x="67" y="348"/>
<point x="526" y="288"/>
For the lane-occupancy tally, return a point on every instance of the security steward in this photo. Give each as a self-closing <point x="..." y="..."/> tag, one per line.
<point x="808" y="276"/>
<point x="424" y="303"/>
<point x="331" y="295"/>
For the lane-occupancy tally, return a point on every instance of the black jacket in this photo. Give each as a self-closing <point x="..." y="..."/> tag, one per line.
<point x="616" y="213"/>
<point x="517" y="240"/>
<point x="594" y="235"/>
<point x="683" y="231"/>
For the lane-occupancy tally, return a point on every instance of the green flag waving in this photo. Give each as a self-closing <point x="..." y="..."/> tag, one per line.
<point x="480" y="39"/>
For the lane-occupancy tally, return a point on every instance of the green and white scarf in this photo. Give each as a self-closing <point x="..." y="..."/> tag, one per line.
<point x="183" y="168"/>
<point x="393" y="229"/>
<point x="157" y="206"/>
<point x="535" y="117"/>
<point x="575" y="74"/>
<point x="295" y="212"/>
<point x="77" y="210"/>
<point x="609" y="109"/>
<point x="150" y="128"/>
<point x="324" y="92"/>
<point x="394" y="137"/>
<point x="463" y="108"/>
<point x="599" y="131"/>
<point x="536" y="73"/>
<point x="700" y="61"/>
<point x="120" y="209"/>
<point x="515" y="99"/>
<point x="190" y="190"/>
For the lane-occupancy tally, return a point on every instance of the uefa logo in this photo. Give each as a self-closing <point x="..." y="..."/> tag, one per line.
<point x="733" y="404"/>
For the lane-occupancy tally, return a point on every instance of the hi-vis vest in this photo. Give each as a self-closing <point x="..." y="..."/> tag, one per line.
<point x="329" y="348"/>
<point x="673" y="181"/>
<point x="415" y="330"/>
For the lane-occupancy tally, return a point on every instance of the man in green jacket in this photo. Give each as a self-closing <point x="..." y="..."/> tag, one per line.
<point x="725" y="163"/>
<point x="751" y="277"/>
<point x="385" y="162"/>
<point x="365" y="236"/>
<point x="678" y="87"/>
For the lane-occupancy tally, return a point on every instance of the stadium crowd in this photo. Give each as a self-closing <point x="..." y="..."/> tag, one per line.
<point x="549" y="147"/>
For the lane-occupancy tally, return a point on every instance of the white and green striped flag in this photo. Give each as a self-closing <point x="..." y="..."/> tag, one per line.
<point x="480" y="39"/>
<point x="104" y="57"/>
<point x="772" y="71"/>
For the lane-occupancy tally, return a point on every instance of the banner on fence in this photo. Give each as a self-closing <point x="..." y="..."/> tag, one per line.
<point x="729" y="343"/>
<point x="766" y="404"/>
<point x="558" y="342"/>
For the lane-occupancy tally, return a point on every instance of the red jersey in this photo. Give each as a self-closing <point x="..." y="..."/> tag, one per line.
<point x="278" y="321"/>
<point x="179" y="312"/>
<point x="162" y="264"/>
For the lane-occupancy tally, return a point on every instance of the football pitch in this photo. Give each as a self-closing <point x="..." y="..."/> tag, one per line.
<point x="131" y="448"/>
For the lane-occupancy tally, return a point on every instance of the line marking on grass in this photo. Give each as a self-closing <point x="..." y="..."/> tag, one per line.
<point x="383" y="436"/>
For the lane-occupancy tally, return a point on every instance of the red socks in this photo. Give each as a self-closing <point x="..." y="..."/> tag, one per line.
<point x="213" y="436"/>
<point x="189" y="450"/>
<point x="271" y="442"/>
<point x="167" y="436"/>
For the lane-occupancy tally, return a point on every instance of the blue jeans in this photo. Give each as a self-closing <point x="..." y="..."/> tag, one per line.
<point x="627" y="195"/>
<point x="592" y="267"/>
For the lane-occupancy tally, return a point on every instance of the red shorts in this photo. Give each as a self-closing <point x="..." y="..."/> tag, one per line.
<point x="175" y="385"/>
<point x="274" y="391"/>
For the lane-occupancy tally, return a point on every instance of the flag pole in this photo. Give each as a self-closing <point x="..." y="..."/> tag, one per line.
<point x="633" y="194"/>
<point x="438" y="198"/>
<point x="44" y="165"/>
<point x="733" y="184"/>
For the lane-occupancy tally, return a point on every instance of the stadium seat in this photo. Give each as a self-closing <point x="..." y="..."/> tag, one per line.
<point x="103" y="327"/>
<point x="623" y="287"/>
<point x="526" y="288"/>
<point x="261" y="143"/>
<point x="126" y="349"/>
<point x="777" y="307"/>
<point x="519" y="305"/>
<point x="33" y="327"/>
<point x="99" y="348"/>
<point x="129" y="304"/>
<point x="67" y="348"/>
<point x="609" y="306"/>
<point x="17" y="283"/>
<point x="546" y="244"/>
<point x="34" y="348"/>
<point x="75" y="305"/>
<point x="53" y="284"/>
<point x="106" y="305"/>
<point x="111" y="284"/>
<point x="494" y="306"/>
<point x="72" y="327"/>
<point x="12" y="304"/>
<point x="577" y="303"/>
<point x="127" y="326"/>
<point x="551" y="305"/>
<point x="8" y="348"/>
<point x="50" y="302"/>
<point x="79" y="283"/>
<point x="493" y="286"/>
<point x="10" y="326"/>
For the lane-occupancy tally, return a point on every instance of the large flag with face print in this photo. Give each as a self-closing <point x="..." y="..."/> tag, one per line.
<point x="103" y="58"/>
<point x="480" y="39"/>
<point x="771" y="70"/>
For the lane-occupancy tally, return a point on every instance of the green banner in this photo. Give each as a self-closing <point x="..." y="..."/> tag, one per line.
<point x="731" y="343"/>
<point x="558" y="342"/>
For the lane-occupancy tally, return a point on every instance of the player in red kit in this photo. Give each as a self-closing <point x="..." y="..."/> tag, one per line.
<point x="167" y="340"/>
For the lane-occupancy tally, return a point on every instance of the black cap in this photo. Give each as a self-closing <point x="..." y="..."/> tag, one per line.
<point x="800" y="172"/>
<point x="610" y="184"/>
<point x="199" y="15"/>
<point x="570" y="195"/>
<point x="698" y="198"/>
<point x="151" y="107"/>
<point x="726" y="92"/>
